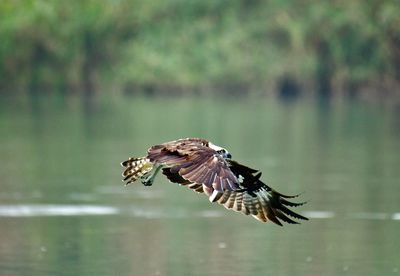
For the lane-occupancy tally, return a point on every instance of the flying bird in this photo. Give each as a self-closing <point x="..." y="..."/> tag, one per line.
<point x="209" y="169"/>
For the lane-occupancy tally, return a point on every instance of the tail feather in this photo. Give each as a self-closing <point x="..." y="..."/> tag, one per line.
<point x="135" y="168"/>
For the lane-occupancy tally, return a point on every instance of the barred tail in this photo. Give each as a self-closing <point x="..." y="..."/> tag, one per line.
<point x="135" y="168"/>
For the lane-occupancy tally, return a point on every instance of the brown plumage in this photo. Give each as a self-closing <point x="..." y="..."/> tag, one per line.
<point x="207" y="168"/>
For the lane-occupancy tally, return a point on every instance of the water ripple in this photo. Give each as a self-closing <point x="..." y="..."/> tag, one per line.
<point x="55" y="210"/>
<point x="319" y="214"/>
<point x="37" y="210"/>
<point x="396" y="216"/>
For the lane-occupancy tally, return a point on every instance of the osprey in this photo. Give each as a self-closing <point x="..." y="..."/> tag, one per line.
<point x="209" y="169"/>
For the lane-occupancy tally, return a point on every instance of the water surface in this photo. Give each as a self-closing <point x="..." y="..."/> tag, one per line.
<point x="64" y="210"/>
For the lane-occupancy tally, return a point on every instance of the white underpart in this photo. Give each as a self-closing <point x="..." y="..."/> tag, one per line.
<point x="215" y="147"/>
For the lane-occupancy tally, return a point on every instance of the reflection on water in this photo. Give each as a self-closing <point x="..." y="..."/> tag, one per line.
<point x="38" y="210"/>
<point x="65" y="211"/>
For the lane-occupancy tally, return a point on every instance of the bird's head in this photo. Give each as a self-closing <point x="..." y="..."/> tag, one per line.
<point x="221" y="151"/>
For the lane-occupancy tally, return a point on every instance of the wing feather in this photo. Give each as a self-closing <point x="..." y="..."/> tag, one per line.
<point x="224" y="198"/>
<point x="215" y="196"/>
<point x="283" y="217"/>
<point x="196" y="173"/>
<point x="261" y="204"/>
<point x="291" y="213"/>
<point x="207" y="190"/>
<point x="269" y="212"/>
<point x="195" y="162"/>
<point x="261" y="217"/>
<point x="207" y="177"/>
<point x="216" y="184"/>
<point x="291" y="204"/>
<point x="231" y="201"/>
<point x="237" y="206"/>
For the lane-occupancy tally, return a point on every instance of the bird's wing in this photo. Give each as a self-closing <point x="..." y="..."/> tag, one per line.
<point x="194" y="161"/>
<point x="256" y="198"/>
<point x="263" y="204"/>
<point x="177" y="178"/>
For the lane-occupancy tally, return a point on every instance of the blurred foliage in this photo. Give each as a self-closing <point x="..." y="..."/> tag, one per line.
<point x="178" y="45"/>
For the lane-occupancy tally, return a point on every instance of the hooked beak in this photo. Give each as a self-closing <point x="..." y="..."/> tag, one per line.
<point x="228" y="155"/>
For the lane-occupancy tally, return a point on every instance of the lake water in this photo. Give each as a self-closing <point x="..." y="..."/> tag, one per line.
<point x="65" y="211"/>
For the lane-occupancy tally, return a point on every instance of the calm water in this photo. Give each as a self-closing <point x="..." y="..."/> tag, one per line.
<point x="64" y="210"/>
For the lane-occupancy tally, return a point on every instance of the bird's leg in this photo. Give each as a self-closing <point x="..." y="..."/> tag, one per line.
<point x="148" y="179"/>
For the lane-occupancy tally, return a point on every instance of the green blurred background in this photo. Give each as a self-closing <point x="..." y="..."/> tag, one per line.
<point x="199" y="46"/>
<point x="305" y="91"/>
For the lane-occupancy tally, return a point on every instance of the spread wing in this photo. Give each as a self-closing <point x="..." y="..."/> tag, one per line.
<point x="257" y="198"/>
<point x="195" y="162"/>
<point x="254" y="198"/>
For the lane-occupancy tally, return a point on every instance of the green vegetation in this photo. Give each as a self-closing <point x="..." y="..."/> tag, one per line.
<point x="181" y="45"/>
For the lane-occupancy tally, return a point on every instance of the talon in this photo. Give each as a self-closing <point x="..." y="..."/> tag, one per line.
<point x="147" y="182"/>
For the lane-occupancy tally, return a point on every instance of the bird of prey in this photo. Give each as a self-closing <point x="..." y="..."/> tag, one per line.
<point x="209" y="169"/>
